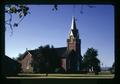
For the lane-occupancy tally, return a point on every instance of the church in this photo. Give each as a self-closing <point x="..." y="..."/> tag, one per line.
<point x="69" y="63"/>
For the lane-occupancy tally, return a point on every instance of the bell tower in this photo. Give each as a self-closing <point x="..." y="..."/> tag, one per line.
<point x="74" y="46"/>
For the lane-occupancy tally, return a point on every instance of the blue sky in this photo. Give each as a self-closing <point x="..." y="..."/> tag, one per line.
<point x="44" y="26"/>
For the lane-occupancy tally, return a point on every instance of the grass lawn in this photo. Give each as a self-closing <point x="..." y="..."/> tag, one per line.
<point x="102" y="75"/>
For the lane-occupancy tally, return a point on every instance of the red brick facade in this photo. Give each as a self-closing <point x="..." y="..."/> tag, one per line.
<point x="26" y="63"/>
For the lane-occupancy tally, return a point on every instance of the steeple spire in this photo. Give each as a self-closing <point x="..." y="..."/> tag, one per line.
<point x="73" y="25"/>
<point x="73" y="30"/>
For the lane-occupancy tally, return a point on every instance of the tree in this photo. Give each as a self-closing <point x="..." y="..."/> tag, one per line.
<point x="14" y="58"/>
<point x="90" y="60"/>
<point x="46" y="60"/>
<point x="20" y="10"/>
<point x="20" y="57"/>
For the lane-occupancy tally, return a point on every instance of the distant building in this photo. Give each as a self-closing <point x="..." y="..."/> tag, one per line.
<point x="9" y="66"/>
<point x="73" y="44"/>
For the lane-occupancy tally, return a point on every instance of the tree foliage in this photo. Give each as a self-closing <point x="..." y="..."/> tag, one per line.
<point x="90" y="60"/>
<point x="20" y="10"/>
<point x="20" y="57"/>
<point x="46" y="60"/>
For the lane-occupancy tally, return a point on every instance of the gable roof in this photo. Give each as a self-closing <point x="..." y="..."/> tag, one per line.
<point x="62" y="52"/>
<point x="32" y="52"/>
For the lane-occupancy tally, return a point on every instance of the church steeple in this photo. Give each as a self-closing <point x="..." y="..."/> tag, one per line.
<point x="73" y="30"/>
<point x="73" y="25"/>
<point x="74" y="44"/>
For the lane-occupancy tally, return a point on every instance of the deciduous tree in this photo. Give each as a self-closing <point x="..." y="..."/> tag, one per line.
<point x="90" y="60"/>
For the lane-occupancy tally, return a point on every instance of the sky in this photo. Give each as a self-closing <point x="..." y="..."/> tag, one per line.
<point x="44" y="26"/>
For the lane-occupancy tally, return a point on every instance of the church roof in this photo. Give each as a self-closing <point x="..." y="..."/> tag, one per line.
<point x="61" y="52"/>
<point x="32" y="52"/>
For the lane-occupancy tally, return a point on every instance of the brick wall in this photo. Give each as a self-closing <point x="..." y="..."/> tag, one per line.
<point x="26" y="63"/>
